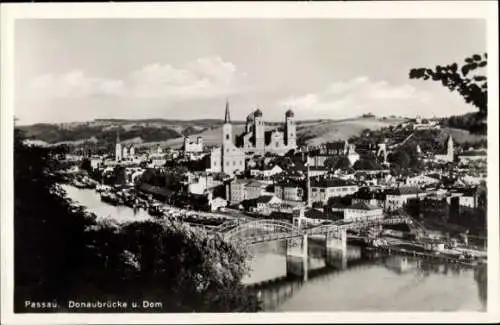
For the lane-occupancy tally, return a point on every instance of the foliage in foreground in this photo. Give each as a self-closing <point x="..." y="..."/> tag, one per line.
<point x="469" y="80"/>
<point x="61" y="252"/>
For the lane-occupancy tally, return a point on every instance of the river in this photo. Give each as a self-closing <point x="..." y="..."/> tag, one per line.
<point x="359" y="283"/>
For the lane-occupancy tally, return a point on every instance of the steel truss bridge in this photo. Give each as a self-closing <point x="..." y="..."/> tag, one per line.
<point x="266" y="230"/>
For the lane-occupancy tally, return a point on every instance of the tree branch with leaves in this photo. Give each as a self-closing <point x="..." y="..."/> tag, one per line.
<point x="469" y="80"/>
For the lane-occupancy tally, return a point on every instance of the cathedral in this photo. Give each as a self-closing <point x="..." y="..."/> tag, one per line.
<point x="227" y="158"/>
<point x="257" y="140"/>
<point x="230" y="156"/>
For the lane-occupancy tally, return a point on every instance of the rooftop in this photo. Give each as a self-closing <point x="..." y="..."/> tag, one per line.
<point x="336" y="145"/>
<point x="290" y="183"/>
<point x="363" y="206"/>
<point x="255" y="184"/>
<point x="329" y="182"/>
<point x="470" y="153"/>
<point x="404" y="191"/>
<point x="319" y="214"/>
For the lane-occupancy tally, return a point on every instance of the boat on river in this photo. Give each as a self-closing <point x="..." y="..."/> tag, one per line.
<point x="110" y="198"/>
<point x="79" y="184"/>
<point x="156" y="210"/>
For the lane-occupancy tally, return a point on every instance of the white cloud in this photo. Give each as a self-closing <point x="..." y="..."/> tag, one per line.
<point x="74" y="84"/>
<point x="307" y="101"/>
<point x="203" y="78"/>
<point x="362" y="95"/>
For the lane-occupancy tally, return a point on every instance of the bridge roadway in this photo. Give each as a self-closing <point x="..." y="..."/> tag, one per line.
<point x="266" y="230"/>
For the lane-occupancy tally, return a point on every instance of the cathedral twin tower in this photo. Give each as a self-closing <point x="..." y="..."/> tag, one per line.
<point x="257" y="139"/>
<point x="230" y="157"/>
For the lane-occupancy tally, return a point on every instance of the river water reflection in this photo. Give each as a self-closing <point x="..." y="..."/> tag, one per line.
<point x="368" y="283"/>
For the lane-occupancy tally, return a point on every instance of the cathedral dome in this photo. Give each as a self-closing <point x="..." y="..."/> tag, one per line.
<point x="258" y="112"/>
<point x="289" y="113"/>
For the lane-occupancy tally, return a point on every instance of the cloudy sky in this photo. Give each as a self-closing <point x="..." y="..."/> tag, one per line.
<point x="77" y="70"/>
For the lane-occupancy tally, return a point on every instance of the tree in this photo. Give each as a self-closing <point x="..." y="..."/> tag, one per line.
<point x="174" y="177"/>
<point x="186" y="269"/>
<point x="366" y="163"/>
<point x="473" y="88"/>
<point x="337" y="162"/>
<point x="117" y="176"/>
<point x="50" y="239"/>
<point x="400" y="158"/>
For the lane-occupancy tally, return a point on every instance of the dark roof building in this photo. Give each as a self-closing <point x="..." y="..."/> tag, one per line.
<point x="290" y="183"/>
<point x="404" y="191"/>
<point x="330" y="182"/>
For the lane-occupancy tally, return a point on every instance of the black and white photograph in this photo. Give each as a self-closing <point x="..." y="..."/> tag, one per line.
<point x="258" y="165"/>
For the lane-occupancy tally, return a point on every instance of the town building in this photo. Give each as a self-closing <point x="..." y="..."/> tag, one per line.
<point x="468" y="197"/>
<point x="235" y="191"/>
<point x="123" y="151"/>
<point x="424" y="124"/>
<point x="421" y="180"/>
<point x="266" y="172"/>
<point x="373" y="198"/>
<point x="96" y="161"/>
<point x="264" y="204"/>
<point x="469" y="156"/>
<point x="323" y="188"/>
<point x="191" y="146"/>
<point x="254" y="189"/>
<point x="398" y="197"/>
<point x="317" y="171"/>
<point x="239" y="190"/>
<point x="200" y="183"/>
<point x="319" y="156"/>
<point x="358" y="212"/>
<point x="227" y="158"/>
<point x="290" y="190"/>
<point x="157" y="160"/>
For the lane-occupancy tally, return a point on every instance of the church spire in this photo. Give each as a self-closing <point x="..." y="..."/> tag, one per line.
<point x="118" y="135"/>
<point x="227" y="118"/>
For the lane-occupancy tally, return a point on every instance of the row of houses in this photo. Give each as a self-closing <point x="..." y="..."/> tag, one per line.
<point x="293" y="193"/>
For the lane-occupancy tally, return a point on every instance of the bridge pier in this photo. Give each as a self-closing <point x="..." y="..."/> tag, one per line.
<point x="297" y="262"/>
<point x="336" y="248"/>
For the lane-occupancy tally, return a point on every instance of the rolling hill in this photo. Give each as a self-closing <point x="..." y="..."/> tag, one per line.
<point x="147" y="133"/>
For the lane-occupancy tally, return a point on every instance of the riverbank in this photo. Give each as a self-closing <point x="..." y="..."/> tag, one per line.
<point x="153" y="209"/>
<point x="428" y="255"/>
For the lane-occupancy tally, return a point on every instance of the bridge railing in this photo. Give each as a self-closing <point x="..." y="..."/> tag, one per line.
<point x="271" y="226"/>
<point x="277" y="229"/>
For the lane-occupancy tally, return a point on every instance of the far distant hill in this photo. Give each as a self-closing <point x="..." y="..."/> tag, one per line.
<point x="150" y="132"/>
